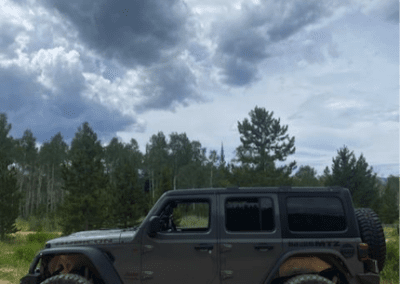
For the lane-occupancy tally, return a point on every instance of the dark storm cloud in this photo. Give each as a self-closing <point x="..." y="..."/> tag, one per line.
<point x="239" y="72"/>
<point x="29" y="105"/>
<point x="243" y="42"/>
<point x="171" y="84"/>
<point x="134" y="32"/>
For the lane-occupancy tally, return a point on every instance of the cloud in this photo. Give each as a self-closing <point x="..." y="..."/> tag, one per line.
<point x="385" y="10"/>
<point x="168" y="85"/>
<point x="29" y="105"/>
<point x="133" y="32"/>
<point x="252" y="37"/>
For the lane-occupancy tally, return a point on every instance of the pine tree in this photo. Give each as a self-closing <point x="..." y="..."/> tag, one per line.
<point x="389" y="205"/>
<point x="10" y="197"/>
<point x="9" y="191"/>
<point x="356" y="176"/>
<point x="127" y="194"/>
<point x="222" y="157"/>
<point x="264" y="141"/>
<point x="86" y="203"/>
<point x="306" y="176"/>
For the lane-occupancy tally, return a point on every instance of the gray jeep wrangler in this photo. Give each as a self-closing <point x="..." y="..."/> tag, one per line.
<point x="225" y="236"/>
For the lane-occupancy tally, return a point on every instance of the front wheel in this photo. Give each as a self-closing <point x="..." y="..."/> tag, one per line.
<point x="66" y="279"/>
<point x="309" y="279"/>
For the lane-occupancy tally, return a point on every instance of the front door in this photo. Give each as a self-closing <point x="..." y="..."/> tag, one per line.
<point x="251" y="241"/>
<point x="185" y="251"/>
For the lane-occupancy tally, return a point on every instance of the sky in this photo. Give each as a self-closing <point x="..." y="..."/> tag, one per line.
<point x="329" y="70"/>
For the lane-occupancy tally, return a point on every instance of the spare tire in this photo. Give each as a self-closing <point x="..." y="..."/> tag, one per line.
<point x="372" y="233"/>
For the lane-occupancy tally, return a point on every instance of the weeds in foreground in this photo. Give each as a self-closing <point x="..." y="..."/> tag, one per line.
<point x="17" y="252"/>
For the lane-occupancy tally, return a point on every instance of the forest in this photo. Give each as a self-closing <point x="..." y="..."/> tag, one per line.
<point x="86" y="186"/>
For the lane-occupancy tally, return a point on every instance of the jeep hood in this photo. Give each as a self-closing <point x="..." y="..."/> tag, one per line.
<point x="94" y="238"/>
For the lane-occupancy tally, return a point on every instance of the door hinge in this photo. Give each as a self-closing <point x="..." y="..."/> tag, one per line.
<point x="226" y="247"/>
<point x="147" y="248"/>
<point x="147" y="275"/>
<point x="226" y="274"/>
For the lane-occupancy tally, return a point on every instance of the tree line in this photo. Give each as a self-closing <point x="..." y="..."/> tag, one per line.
<point x="88" y="186"/>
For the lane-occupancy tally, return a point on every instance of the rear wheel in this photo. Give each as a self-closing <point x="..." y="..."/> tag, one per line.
<point x="309" y="279"/>
<point x="66" y="279"/>
<point x="372" y="233"/>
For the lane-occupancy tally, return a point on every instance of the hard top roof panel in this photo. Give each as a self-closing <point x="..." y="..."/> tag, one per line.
<point x="254" y="190"/>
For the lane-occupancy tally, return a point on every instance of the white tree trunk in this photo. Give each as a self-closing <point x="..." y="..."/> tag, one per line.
<point x="38" y="199"/>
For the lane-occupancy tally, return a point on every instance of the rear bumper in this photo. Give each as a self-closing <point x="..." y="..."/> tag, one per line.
<point x="368" y="278"/>
<point x="30" y="279"/>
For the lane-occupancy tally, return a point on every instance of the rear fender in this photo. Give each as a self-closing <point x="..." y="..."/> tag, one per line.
<point x="308" y="261"/>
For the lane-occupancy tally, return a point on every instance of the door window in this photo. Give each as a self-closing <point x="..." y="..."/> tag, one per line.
<point x="186" y="216"/>
<point x="249" y="214"/>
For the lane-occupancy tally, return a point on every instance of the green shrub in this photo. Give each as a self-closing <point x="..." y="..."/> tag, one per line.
<point x="22" y="225"/>
<point x="28" y="251"/>
<point x="40" y="237"/>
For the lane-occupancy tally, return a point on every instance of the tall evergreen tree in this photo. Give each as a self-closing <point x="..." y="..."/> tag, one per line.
<point x="10" y="197"/>
<point x="86" y="203"/>
<point x="389" y="205"/>
<point x="222" y="157"/>
<point x="9" y="192"/>
<point x="212" y="163"/>
<point x="6" y="141"/>
<point x="128" y="202"/>
<point x="264" y="141"/>
<point x="355" y="175"/>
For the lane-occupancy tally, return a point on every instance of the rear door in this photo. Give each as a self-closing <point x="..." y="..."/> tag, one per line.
<point x="250" y="237"/>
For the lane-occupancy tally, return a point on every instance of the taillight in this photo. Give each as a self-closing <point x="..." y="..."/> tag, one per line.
<point x="363" y="251"/>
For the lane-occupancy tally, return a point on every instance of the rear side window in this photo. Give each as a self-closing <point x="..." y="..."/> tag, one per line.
<point x="315" y="214"/>
<point x="249" y="214"/>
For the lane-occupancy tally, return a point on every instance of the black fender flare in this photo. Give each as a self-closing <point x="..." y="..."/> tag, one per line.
<point x="98" y="258"/>
<point x="308" y="252"/>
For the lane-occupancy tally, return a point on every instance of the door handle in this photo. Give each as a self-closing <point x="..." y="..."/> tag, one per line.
<point x="263" y="247"/>
<point x="204" y="247"/>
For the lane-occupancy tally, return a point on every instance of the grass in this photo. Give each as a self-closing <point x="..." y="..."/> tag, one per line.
<point x="193" y="222"/>
<point x="390" y="273"/>
<point x="18" y="250"/>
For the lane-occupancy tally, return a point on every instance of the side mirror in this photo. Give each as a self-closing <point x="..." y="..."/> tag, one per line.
<point x="154" y="226"/>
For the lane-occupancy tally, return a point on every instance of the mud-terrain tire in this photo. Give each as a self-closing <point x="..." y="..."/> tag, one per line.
<point x="309" y="279"/>
<point x="66" y="279"/>
<point x="372" y="233"/>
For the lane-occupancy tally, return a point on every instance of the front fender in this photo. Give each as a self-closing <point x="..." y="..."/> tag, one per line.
<point x="99" y="260"/>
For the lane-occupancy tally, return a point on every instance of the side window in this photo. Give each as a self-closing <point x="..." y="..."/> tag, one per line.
<point x="249" y="214"/>
<point x="315" y="214"/>
<point x="186" y="216"/>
